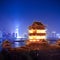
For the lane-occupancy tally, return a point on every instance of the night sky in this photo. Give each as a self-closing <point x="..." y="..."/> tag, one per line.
<point x="22" y="13"/>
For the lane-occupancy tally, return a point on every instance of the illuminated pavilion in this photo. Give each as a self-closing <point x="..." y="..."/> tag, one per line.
<point x="37" y="33"/>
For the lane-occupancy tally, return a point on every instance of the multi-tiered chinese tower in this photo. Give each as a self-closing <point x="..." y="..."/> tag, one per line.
<point x="37" y="33"/>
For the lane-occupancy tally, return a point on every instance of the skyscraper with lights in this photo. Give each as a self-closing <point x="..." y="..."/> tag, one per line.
<point x="17" y="32"/>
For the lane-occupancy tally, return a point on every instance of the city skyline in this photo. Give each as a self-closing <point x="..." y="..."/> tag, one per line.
<point x="15" y="34"/>
<point x="22" y="13"/>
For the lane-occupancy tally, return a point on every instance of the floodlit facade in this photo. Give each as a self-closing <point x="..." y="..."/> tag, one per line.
<point x="37" y="33"/>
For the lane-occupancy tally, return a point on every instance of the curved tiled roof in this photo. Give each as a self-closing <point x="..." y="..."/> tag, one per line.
<point x="37" y="25"/>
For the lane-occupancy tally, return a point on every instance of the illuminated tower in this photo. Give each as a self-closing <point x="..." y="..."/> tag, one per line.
<point x="17" y="36"/>
<point x="37" y="33"/>
<point x="17" y="32"/>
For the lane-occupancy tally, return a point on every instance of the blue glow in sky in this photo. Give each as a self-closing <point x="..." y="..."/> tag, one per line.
<point x="24" y="12"/>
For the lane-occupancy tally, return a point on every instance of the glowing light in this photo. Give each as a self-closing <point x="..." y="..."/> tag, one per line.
<point x="41" y="31"/>
<point x="54" y="32"/>
<point x="32" y="37"/>
<point x="18" y="36"/>
<point x="58" y="35"/>
<point x="37" y="37"/>
<point x="37" y="31"/>
<point x="31" y="31"/>
<point x="40" y="37"/>
<point x="17" y="44"/>
<point x="34" y="40"/>
<point x="17" y="31"/>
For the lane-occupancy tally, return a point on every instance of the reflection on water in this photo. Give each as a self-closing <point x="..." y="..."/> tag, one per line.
<point x="14" y="45"/>
<point x="17" y="44"/>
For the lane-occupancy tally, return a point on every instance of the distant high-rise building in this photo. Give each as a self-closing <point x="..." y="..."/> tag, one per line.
<point x="0" y="34"/>
<point x="54" y="34"/>
<point x="1" y="37"/>
<point x="13" y="35"/>
<point x="58" y="35"/>
<point x="25" y="36"/>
